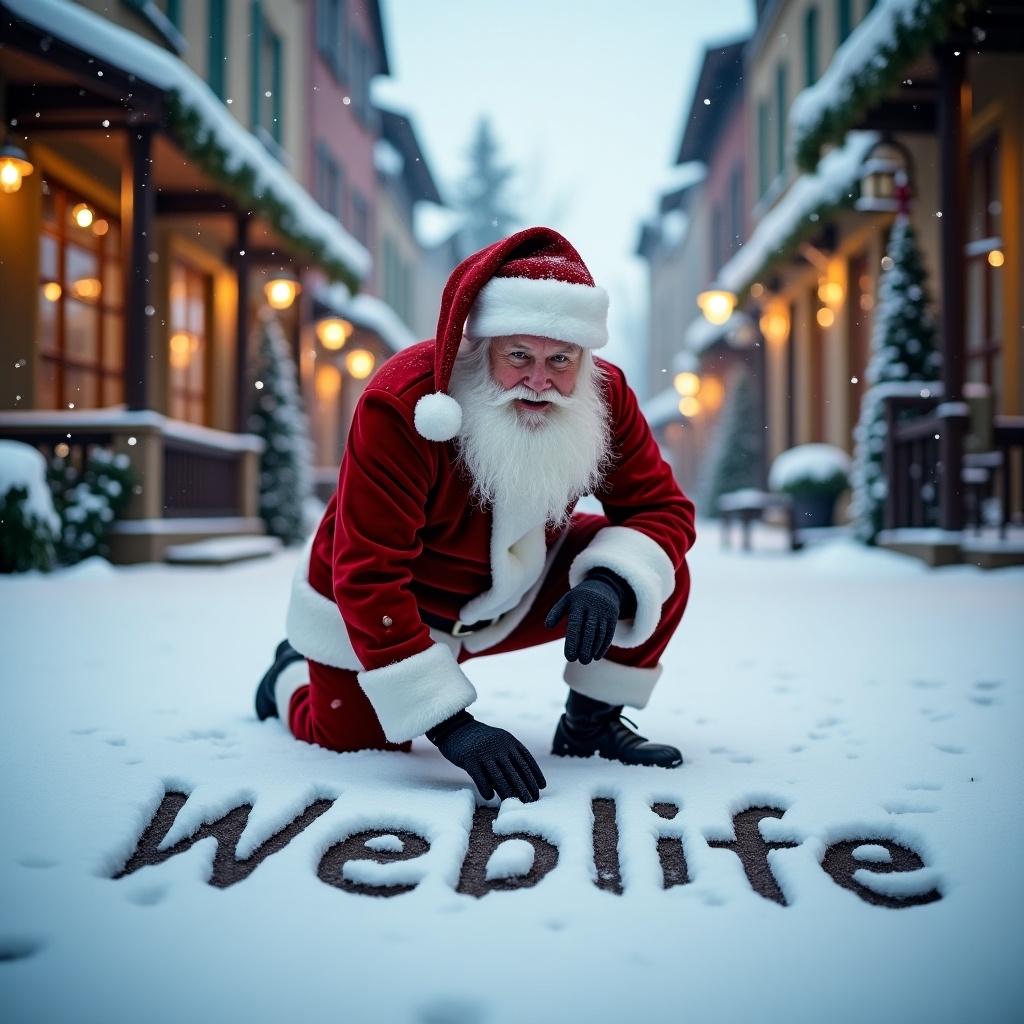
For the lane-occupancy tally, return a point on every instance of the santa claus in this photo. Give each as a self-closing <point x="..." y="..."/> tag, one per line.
<point x="452" y="533"/>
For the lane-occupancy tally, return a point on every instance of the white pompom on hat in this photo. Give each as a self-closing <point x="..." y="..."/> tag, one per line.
<point x="533" y="282"/>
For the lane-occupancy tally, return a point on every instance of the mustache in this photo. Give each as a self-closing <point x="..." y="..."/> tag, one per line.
<point x="522" y="392"/>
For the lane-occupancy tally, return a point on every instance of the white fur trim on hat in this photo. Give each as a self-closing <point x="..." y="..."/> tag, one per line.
<point x="574" y="313"/>
<point x="643" y="564"/>
<point x="415" y="694"/>
<point x="438" y="417"/>
<point x="613" y="683"/>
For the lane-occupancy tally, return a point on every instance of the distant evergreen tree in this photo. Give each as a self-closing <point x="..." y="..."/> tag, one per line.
<point x="482" y="195"/>
<point x="734" y="459"/>
<point x="902" y="351"/>
<point x="278" y="417"/>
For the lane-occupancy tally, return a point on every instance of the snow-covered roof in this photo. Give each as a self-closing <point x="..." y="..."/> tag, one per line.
<point x="227" y="149"/>
<point x="702" y="334"/>
<point x="369" y="312"/>
<point x="835" y="183"/>
<point x="662" y="408"/>
<point x="870" y="62"/>
<point x="434" y="224"/>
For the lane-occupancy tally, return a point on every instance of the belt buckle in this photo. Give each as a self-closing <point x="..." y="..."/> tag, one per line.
<point x="461" y="629"/>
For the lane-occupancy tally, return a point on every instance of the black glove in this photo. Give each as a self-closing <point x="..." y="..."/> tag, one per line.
<point x="494" y="758"/>
<point x="594" y="606"/>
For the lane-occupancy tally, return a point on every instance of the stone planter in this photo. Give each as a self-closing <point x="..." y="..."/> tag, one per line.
<point x="813" y="510"/>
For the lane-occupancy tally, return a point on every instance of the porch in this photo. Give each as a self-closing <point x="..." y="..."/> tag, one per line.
<point x="191" y="483"/>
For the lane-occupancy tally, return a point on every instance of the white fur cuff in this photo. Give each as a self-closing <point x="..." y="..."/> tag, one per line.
<point x="613" y="683"/>
<point x="416" y="694"/>
<point x="643" y="564"/>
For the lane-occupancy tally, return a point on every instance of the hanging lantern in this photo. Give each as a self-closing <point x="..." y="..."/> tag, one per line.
<point x="14" y="165"/>
<point x="716" y="304"/>
<point x="880" y="178"/>
<point x="281" y="290"/>
<point x="333" y="332"/>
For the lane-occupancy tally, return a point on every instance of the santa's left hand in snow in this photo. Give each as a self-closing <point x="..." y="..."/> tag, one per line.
<point x="593" y="606"/>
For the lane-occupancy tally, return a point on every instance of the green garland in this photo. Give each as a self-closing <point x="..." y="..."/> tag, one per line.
<point x="928" y="23"/>
<point x="201" y="145"/>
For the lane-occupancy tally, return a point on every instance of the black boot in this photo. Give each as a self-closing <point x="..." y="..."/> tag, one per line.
<point x="266" y="703"/>
<point x="590" y="726"/>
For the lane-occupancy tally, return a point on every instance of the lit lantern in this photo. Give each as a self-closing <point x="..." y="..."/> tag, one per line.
<point x="995" y="258"/>
<point x="51" y="291"/>
<point x="83" y="215"/>
<point x="686" y="383"/>
<point x="281" y="291"/>
<point x="14" y="165"/>
<point x="831" y="292"/>
<point x="774" y="326"/>
<point x="359" y="363"/>
<point x="333" y="332"/>
<point x="716" y="304"/>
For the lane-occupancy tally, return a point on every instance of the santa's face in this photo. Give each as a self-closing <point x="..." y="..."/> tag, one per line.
<point x="542" y="365"/>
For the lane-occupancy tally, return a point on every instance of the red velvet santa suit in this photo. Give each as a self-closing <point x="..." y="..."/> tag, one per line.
<point x="410" y="538"/>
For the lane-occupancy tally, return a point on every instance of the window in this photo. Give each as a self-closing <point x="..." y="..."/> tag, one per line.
<point x="81" y="305"/>
<point x="328" y="182"/>
<point x="844" y="14"/>
<point x="216" y="72"/>
<point x="331" y="31"/>
<point x="984" y="253"/>
<point x="717" y="257"/>
<point x="360" y="218"/>
<point x="362" y="69"/>
<point x="811" y="45"/>
<point x="397" y="281"/>
<point x="764" y="176"/>
<point x="780" y="120"/>
<point x="266" y="75"/>
<point x="188" y="335"/>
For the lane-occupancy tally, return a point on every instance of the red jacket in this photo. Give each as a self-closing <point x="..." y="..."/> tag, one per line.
<point x="408" y="537"/>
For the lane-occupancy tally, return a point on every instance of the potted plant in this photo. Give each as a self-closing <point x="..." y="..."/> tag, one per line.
<point x="813" y="475"/>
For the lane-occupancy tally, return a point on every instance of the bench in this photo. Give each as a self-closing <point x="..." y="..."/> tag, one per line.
<point x="750" y="505"/>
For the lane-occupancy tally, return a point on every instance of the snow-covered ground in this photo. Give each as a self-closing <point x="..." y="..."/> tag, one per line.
<point x="857" y="693"/>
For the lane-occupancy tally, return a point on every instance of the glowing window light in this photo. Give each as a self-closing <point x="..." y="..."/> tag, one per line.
<point x="327" y="382"/>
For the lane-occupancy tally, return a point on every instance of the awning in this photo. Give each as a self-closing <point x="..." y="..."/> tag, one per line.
<point x="207" y="132"/>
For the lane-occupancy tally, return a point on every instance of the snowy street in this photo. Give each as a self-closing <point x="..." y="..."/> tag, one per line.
<point x="872" y="705"/>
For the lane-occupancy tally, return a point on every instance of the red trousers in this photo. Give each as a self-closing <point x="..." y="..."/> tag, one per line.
<point x="333" y="712"/>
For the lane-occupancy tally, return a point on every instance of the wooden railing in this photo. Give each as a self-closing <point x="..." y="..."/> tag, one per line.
<point x="199" y="481"/>
<point x="912" y="465"/>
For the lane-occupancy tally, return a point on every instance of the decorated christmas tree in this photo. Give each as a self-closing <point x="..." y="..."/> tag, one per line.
<point x="278" y="418"/>
<point x="734" y="460"/>
<point x="904" y="362"/>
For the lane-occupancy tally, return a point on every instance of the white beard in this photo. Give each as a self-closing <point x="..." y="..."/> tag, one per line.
<point x="543" y="462"/>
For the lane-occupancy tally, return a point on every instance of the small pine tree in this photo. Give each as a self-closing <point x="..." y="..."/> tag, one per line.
<point x="26" y="539"/>
<point x="734" y="459"/>
<point x="278" y="418"/>
<point x="902" y="351"/>
<point x="482" y="195"/>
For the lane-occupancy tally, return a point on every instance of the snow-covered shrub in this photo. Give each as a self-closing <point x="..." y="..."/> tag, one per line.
<point x="286" y="477"/>
<point x="811" y="471"/>
<point x="28" y="522"/>
<point x="904" y="362"/>
<point x="88" y="501"/>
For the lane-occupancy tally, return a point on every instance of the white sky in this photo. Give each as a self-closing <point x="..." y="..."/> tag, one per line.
<point x="586" y="98"/>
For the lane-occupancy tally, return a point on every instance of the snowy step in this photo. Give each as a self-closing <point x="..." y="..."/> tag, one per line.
<point x="222" y="550"/>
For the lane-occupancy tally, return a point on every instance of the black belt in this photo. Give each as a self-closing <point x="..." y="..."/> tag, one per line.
<point x="455" y="627"/>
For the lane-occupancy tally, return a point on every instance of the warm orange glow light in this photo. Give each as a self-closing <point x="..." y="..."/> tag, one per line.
<point x="995" y="258"/>
<point x="775" y="327"/>
<point x="689" y="406"/>
<point x="181" y="350"/>
<point x="281" y="292"/>
<point x="328" y="382"/>
<point x="87" y="288"/>
<point x="359" y="363"/>
<point x="711" y="393"/>
<point x="14" y="165"/>
<point x="716" y="304"/>
<point x="83" y="215"/>
<point x="831" y="292"/>
<point x="686" y="383"/>
<point x="826" y="317"/>
<point x="100" y="227"/>
<point x="51" y="291"/>
<point x="333" y="332"/>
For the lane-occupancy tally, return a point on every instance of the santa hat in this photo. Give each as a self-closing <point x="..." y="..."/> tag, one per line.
<point x="533" y="282"/>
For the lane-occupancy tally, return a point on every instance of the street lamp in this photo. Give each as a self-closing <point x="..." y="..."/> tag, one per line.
<point x="14" y="165"/>
<point x="281" y="290"/>
<point x="716" y="304"/>
<point x="884" y="178"/>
